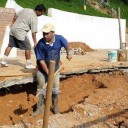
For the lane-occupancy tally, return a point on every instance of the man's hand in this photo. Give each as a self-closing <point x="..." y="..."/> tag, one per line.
<point x="69" y="56"/>
<point x="34" y="39"/>
<point x="34" y="45"/>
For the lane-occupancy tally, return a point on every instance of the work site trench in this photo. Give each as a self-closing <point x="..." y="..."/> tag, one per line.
<point x="98" y="100"/>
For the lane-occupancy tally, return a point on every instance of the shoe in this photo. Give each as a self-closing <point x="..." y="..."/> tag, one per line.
<point x="29" y="66"/>
<point x="4" y="64"/>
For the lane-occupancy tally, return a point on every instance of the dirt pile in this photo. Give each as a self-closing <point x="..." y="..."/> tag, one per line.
<point x="79" y="48"/>
<point x="81" y="45"/>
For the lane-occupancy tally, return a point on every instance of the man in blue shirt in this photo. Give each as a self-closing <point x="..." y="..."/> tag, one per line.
<point x="48" y="48"/>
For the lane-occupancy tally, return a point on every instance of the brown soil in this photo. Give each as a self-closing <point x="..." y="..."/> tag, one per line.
<point x="17" y="102"/>
<point x="81" y="45"/>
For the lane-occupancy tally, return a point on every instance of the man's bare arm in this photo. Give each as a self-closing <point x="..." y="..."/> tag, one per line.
<point x="14" y="19"/>
<point x="34" y="38"/>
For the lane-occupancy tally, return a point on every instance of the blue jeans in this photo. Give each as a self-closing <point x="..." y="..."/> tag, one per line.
<point x="42" y="79"/>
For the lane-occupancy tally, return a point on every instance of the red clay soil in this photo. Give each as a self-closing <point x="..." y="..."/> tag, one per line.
<point x="81" y="45"/>
<point x="17" y="102"/>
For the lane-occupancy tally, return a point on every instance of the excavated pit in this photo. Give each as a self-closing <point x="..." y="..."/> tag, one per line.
<point x="98" y="99"/>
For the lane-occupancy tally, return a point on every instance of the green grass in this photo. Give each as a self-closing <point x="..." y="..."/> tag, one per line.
<point x="2" y="3"/>
<point x="123" y="8"/>
<point x="74" y="6"/>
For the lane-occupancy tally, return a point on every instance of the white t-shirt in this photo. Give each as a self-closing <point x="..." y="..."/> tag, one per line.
<point x="26" y="21"/>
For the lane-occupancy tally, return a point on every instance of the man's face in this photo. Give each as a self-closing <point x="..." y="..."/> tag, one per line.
<point x="38" y="13"/>
<point x="48" y="37"/>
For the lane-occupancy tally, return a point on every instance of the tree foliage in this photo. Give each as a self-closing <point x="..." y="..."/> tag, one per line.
<point x="125" y="1"/>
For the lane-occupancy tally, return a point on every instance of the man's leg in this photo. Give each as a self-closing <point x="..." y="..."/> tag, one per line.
<point x="28" y="57"/>
<point x="4" y="59"/>
<point x="55" y="93"/>
<point x="28" y="61"/>
<point x="41" y="79"/>
<point x="39" y="105"/>
<point x="27" y="47"/>
<point x="7" y="51"/>
<point x="27" y="54"/>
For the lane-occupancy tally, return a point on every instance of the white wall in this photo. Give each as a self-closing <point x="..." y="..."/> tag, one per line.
<point x="13" y="4"/>
<point x="13" y="52"/>
<point x="97" y="32"/>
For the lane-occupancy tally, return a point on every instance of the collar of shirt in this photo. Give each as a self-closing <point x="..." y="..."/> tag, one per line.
<point x="52" y="42"/>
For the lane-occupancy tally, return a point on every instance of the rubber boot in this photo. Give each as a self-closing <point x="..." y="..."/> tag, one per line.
<point x="55" y="103"/>
<point x="39" y="105"/>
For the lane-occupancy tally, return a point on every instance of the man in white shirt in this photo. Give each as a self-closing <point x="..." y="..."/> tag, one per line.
<point x="23" y="22"/>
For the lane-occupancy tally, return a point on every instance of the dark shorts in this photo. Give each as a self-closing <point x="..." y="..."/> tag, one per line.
<point x="24" y="45"/>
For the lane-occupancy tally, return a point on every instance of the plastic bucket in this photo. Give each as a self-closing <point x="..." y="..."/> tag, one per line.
<point x="112" y="56"/>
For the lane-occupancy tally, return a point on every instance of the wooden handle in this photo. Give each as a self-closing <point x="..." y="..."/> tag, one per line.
<point x="49" y="93"/>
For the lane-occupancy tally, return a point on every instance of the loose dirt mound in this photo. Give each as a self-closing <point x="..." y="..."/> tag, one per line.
<point x="81" y="45"/>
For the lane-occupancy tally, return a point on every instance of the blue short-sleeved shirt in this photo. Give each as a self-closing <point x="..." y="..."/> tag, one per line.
<point x="46" y="52"/>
